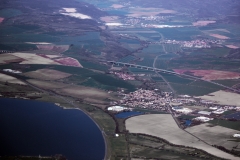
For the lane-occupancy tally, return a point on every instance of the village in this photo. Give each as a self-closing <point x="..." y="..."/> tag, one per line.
<point x="198" y="43"/>
<point x="154" y="100"/>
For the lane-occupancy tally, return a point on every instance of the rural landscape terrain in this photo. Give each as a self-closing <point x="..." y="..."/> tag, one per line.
<point x="161" y="79"/>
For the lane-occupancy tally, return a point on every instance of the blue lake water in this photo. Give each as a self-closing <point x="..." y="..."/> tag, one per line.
<point x="233" y="116"/>
<point x="38" y="128"/>
<point x="188" y="122"/>
<point x="127" y="114"/>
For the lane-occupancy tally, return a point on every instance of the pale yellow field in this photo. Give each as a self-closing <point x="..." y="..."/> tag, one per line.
<point x="223" y="97"/>
<point x="31" y="58"/>
<point x="54" y="48"/>
<point x="216" y="135"/>
<point x="1" y="19"/>
<point x="88" y="94"/>
<point x="220" y="29"/>
<point x="7" y="58"/>
<point x="117" y="6"/>
<point x="202" y="23"/>
<point x="47" y="74"/>
<point x="84" y="92"/>
<point x="139" y="12"/>
<point x="163" y="126"/>
<point x="53" y="56"/>
<point x="232" y="46"/>
<point x="219" y="36"/>
<point x="108" y="19"/>
<point x="10" y="79"/>
<point x="47" y="85"/>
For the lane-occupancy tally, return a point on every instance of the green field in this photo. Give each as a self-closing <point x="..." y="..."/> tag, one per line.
<point x="173" y="48"/>
<point x="228" y="82"/>
<point x="97" y="80"/>
<point x="178" y="33"/>
<point x="92" y="65"/>
<point x="127" y="59"/>
<point x="153" y="48"/>
<point x="7" y="13"/>
<point x="89" y="42"/>
<point x="157" y="79"/>
<point x="163" y="60"/>
<point x="146" y="62"/>
<point x="225" y="123"/>
<point x="139" y="71"/>
<point x="151" y="36"/>
<point x="193" y="89"/>
<point x="18" y="47"/>
<point x="212" y="51"/>
<point x="156" y="148"/>
<point x="176" y="79"/>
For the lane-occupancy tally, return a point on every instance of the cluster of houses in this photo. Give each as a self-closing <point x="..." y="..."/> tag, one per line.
<point x="198" y="43"/>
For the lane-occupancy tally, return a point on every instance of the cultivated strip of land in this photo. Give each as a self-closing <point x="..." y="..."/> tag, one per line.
<point x="163" y="126"/>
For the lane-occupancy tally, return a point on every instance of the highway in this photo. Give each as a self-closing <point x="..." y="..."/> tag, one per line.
<point x="170" y="72"/>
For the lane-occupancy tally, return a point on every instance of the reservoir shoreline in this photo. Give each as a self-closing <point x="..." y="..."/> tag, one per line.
<point x="65" y="108"/>
<point x="75" y="107"/>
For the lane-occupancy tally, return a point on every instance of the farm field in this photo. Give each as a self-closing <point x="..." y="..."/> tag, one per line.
<point x="87" y="77"/>
<point x="9" y="79"/>
<point x="215" y="135"/>
<point x="176" y="79"/>
<point x="153" y="48"/>
<point x="164" y="59"/>
<point x="210" y="74"/>
<point x="8" y="58"/>
<point x="146" y="62"/>
<point x="7" y="13"/>
<point x="33" y="58"/>
<point x="127" y="59"/>
<point x="163" y="126"/>
<point x="178" y="33"/>
<point x="172" y="48"/>
<point x="89" y="94"/>
<point x="234" y="125"/>
<point x="47" y="74"/>
<point x="211" y="51"/>
<point x="48" y="84"/>
<point x="195" y="88"/>
<point x="145" y="151"/>
<point x="140" y="71"/>
<point x="157" y="148"/>
<point x="203" y="62"/>
<point x="53" y="48"/>
<point x="223" y="98"/>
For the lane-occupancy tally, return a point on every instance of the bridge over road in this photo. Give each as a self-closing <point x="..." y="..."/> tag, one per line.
<point x="169" y="72"/>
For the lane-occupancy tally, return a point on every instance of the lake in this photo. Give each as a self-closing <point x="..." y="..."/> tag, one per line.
<point x="33" y="128"/>
<point x="233" y="116"/>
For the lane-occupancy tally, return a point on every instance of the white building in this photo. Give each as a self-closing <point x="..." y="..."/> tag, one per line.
<point x="202" y="119"/>
<point x="213" y="108"/>
<point x="236" y="135"/>
<point x="116" y="108"/>
<point x="219" y="111"/>
<point x="204" y="113"/>
<point x="11" y="71"/>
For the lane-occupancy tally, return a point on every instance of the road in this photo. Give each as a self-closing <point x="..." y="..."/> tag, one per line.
<point x="169" y="86"/>
<point x="170" y="72"/>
